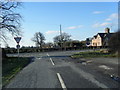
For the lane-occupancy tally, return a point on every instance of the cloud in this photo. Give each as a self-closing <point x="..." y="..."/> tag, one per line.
<point x="98" y="12"/>
<point x="96" y="25"/>
<point x="74" y="27"/>
<point x="112" y="17"/>
<point x="51" y="32"/>
<point x="105" y="24"/>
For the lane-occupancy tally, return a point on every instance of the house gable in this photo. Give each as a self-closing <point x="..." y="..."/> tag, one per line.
<point x="101" y="39"/>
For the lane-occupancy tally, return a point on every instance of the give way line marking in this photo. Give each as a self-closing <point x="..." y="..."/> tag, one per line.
<point x="51" y="60"/>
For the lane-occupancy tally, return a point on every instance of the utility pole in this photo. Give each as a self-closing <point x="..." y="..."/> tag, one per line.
<point x="61" y="36"/>
<point x="111" y="27"/>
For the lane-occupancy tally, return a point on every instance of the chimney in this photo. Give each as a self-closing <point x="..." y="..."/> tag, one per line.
<point x="107" y="30"/>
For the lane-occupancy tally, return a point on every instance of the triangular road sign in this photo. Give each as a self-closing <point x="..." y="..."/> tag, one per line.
<point x="17" y="39"/>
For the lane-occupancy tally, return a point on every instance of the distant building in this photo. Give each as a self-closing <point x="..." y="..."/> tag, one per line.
<point x="101" y="39"/>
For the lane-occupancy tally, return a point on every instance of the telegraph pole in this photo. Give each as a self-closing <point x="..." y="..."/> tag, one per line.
<point x="61" y="36"/>
<point x="111" y="27"/>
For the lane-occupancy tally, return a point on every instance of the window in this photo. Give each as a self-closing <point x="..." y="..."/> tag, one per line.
<point x="98" y="43"/>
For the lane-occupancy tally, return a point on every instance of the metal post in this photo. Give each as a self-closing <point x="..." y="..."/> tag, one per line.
<point x="18" y="49"/>
<point x="18" y="52"/>
<point x="61" y="36"/>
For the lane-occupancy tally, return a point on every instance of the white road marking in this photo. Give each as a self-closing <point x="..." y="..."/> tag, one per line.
<point x="52" y="61"/>
<point x="104" y="67"/>
<point x="48" y="54"/>
<point x="61" y="81"/>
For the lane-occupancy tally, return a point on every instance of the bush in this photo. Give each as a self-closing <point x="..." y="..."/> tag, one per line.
<point x="114" y="42"/>
<point x="3" y="53"/>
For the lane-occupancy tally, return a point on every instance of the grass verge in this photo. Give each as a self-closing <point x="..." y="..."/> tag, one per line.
<point x="93" y="54"/>
<point x="11" y="66"/>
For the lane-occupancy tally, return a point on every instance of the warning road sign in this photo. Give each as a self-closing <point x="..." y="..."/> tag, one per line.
<point x="17" y="39"/>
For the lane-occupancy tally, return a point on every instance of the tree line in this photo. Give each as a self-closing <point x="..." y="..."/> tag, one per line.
<point x="62" y="41"/>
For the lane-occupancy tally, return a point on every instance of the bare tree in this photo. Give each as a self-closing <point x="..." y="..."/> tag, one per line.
<point x="9" y="19"/>
<point x="49" y="45"/>
<point x="62" y="39"/>
<point x="38" y="39"/>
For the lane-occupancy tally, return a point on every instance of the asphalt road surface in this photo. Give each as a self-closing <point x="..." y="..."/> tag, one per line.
<point x="58" y="70"/>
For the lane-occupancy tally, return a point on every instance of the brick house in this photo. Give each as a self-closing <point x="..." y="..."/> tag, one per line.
<point x="101" y="39"/>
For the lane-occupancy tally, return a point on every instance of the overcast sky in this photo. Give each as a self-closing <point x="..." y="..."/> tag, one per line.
<point x="79" y="19"/>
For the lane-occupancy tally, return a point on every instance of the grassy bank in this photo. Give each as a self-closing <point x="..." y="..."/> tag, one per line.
<point x="11" y="66"/>
<point x="93" y="54"/>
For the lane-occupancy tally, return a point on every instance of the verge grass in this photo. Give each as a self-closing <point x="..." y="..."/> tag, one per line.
<point x="93" y="54"/>
<point x="11" y="66"/>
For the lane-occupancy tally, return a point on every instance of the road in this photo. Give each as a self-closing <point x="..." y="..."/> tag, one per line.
<point x="58" y="70"/>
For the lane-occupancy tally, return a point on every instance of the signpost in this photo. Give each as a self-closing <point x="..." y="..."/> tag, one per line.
<point x="17" y="39"/>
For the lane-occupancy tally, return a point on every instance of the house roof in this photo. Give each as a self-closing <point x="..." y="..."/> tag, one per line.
<point x="103" y="35"/>
<point x="95" y="36"/>
<point x="109" y="35"/>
